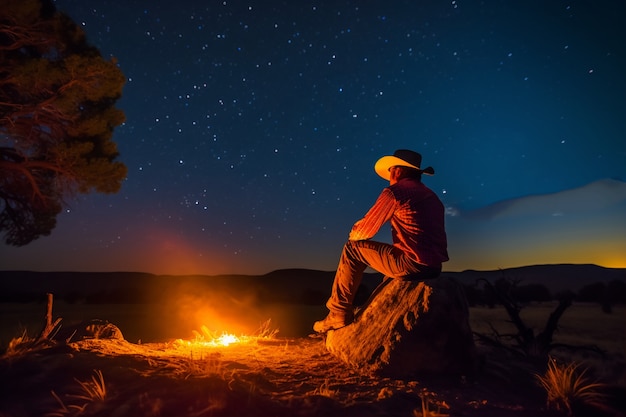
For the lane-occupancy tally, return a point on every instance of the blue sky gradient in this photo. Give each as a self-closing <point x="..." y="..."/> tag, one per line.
<point x="253" y="127"/>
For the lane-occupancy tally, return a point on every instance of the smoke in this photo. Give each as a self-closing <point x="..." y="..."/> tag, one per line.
<point x="189" y="307"/>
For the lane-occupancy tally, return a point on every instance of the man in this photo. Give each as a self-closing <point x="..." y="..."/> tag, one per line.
<point x="418" y="233"/>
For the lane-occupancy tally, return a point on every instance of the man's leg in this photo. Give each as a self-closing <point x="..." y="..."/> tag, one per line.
<point x="356" y="256"/>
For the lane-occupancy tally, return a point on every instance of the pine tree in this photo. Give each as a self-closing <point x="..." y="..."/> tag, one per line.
<point x="57" y="116"/>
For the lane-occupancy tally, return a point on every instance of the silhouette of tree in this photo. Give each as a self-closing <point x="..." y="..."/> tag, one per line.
<point x="532" y="292"/>
<point x="595" y="292"/>
<point x="57" y="117"/>
<point x="527" y="341"/>
<point x="607" y="294"/>
<point x="617" y="291"/>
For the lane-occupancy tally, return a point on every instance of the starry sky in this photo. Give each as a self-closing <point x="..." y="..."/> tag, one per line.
<point x="253" y="127"/>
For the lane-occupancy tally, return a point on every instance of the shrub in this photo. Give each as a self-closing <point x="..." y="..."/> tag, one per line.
<point x="569" y="389"/>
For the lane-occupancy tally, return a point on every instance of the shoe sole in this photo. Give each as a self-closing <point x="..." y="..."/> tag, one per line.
<point x="332" y="328"/>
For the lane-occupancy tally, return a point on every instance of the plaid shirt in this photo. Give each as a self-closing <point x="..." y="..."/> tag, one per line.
<point x="417" y="221"/>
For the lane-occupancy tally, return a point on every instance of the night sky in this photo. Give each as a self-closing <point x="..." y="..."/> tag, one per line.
<point x="253" y="128"/>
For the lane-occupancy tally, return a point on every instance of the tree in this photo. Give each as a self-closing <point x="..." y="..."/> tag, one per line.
<point x="595" y="293"/>
<point x="57" y="116"/>
<point x="532" y="292"/>
<point x="526" y="341"/>
<point x="607" y="294"/>
<point x="617" y="291"/>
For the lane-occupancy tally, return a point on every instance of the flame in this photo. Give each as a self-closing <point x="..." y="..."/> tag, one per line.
<point x="207" y="338"/>
<point x="225" y="339"/>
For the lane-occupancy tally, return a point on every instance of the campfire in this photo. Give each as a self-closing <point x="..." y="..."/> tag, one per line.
<point x="203" y="340"/>
<point x="210" y="339"/>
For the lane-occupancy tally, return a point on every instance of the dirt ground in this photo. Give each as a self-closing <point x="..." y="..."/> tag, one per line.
<point x="255" y="377"/>
<point x="269" y="375"/>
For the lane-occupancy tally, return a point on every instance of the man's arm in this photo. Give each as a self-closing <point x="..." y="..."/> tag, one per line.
<point x="381" y="212"/>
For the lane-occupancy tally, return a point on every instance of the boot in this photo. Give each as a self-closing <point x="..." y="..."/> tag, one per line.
<point x="333" y="321"/>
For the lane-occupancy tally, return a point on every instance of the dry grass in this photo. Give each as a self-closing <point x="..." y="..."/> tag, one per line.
<point x="92" y="392"/>
<point x="201" y="365"/>
<point x="241" y="379"/>
<point x="325" y="390"/>
<point x="568" y="388"/>
<point x="266" y="331"/>
<point x="286" y="376"/>
<point x="19" y="345"/>
<point x="432" y="407"/>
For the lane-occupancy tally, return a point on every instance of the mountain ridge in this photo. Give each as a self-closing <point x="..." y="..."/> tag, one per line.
<point x="281" y="284"/>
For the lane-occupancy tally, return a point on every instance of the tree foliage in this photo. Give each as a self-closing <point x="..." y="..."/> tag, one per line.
<point x="57" y="116"/>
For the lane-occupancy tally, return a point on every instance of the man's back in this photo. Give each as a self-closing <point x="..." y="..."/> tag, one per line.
<point x="418" y="222"/>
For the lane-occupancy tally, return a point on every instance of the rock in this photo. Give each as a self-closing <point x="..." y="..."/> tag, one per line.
<point x="89" y="329"/>
<point x="407" y="328"/>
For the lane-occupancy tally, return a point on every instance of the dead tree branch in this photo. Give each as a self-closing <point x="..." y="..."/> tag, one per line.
<point x="49" y="327"/>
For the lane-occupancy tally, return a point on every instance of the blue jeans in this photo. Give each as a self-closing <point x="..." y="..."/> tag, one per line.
<point x="382" y="257"/>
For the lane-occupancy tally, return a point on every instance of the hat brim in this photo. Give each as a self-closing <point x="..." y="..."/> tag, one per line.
<point x="383" y="164"/>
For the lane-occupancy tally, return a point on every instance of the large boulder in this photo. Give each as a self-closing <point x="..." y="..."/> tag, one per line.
<point x="407" y="328"/>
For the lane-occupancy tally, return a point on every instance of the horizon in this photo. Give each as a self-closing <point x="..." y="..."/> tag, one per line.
<point x="260" y="274"/>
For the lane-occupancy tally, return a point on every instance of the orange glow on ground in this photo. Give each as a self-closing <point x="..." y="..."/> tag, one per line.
<point x="225" y="339"/>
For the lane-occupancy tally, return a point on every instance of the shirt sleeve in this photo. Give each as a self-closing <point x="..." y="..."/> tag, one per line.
<point x="381" y="212"/>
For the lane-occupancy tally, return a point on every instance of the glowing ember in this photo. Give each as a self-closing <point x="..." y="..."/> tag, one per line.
<point x="207" y="338"/>
<point x="223" y="340"/>
<point x="227" y="339"/>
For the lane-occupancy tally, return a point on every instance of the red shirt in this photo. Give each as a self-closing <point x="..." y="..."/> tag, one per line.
<point x="417" y="221"/>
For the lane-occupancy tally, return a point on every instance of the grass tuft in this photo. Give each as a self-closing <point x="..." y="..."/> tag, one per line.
<point x="265" y="330"/>
<point x="19" y="345"/>
<point x="569" y="388"/>
<point x="325" y="390"/>
<point x="92" y="392"/>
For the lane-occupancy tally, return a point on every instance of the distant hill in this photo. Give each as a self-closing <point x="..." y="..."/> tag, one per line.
<point x="555" y="277"/>
<point x="299" y="286"/>
<point x="288" y="285"/>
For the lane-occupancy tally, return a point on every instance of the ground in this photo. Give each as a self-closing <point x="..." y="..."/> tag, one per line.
<point x="268" y="375"/>
<point x="256" y="377"/>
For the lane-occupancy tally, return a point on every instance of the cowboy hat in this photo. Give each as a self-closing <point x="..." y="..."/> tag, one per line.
<point x="401" y="157"/>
